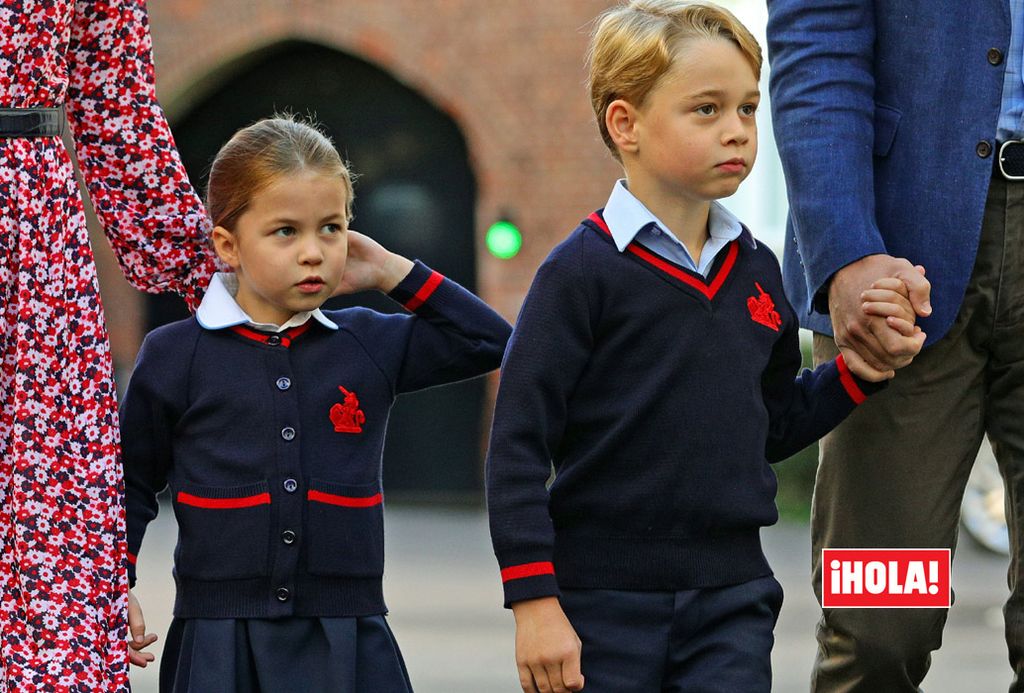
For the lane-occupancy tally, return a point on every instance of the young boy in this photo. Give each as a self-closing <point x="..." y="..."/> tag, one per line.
<point x="655" y="365"/>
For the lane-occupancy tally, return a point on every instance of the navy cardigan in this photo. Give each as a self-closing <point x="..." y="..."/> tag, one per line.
<point x="659" y="397"/>
<point x="271" y="445"/>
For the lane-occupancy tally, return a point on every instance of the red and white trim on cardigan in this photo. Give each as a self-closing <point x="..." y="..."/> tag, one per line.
<point x="223" y="503"/>
<point x="287" y="337"/>
<point x="425" y="292"/>
<point x="345" y="501"/>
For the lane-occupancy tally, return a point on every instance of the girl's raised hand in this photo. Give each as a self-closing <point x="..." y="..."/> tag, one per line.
<point x="139" y="639"/>
<point x="370" y="266"/>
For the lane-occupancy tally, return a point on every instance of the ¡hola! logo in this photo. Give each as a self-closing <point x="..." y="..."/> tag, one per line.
<point x="907" y="578"/>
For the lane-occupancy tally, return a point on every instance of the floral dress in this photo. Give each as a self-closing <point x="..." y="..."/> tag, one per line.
<point x="63" y="586"/>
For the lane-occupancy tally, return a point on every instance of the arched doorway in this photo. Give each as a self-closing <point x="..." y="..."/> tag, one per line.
<point x="415" y="193"/>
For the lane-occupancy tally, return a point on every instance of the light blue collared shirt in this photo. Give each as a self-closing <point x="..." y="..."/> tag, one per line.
<point x="219" y="309"/>
<point x="1011" y="115"/>
<point x="629" y="220"/>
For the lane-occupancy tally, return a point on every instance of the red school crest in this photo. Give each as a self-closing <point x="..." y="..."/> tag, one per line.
<point x="762" y="309"/>
<point x="346" y="416"/>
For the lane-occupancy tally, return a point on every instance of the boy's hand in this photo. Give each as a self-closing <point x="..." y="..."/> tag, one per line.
<point x="370" y="266"/>
<point x="547" y="648"/>
<point x="872" y="349"/>
<point x="139" y="638"/>
<point x="889" y="298"/>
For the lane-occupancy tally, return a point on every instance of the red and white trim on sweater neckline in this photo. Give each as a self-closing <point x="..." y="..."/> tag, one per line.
<point x="691" y="279"/>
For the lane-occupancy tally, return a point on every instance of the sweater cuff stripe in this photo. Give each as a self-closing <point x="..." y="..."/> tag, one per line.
<point x="425" y="291"/>
<point x="132" y="558"/>
<point x="223" y="503"/>
<point x="526" y="570"/>
<point x="849" y="384"/>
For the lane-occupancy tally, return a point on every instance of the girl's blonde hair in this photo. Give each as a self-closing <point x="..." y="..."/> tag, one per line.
<point x="634" y="45"/>
<point x="256" y="155"/>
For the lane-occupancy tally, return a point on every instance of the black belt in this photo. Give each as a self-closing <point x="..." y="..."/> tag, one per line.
<point x="31" y="122"/>
<point x="1010" y="159"/>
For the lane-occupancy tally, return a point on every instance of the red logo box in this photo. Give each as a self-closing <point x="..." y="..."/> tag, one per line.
<point x="889" y="578"/>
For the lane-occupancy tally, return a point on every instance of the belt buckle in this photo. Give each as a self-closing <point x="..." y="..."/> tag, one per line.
<point x="1010" y="149"/>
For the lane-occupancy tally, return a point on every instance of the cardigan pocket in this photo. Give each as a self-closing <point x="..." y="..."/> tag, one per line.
<point x="346" y="529"/>
<point x="223" y="532"/>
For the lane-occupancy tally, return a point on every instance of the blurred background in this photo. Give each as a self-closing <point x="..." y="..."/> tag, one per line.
<point x="469" y="127"/>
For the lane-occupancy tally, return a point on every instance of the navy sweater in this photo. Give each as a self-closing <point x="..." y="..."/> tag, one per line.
<point x="660" y="398"/>
<point x="271" y="446"/>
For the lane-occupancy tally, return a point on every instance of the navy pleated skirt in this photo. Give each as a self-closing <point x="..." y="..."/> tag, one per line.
<point x="292" y="655"/>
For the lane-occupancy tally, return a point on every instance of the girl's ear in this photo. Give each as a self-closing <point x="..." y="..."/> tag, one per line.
<point x="621" y="120"/>
<point x="226" y="245"/>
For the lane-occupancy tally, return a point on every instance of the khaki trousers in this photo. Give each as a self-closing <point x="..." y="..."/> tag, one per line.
<point x="894" y="473"/>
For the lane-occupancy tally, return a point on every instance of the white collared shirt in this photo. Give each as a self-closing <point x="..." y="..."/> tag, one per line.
<point x="628" y="219"/>
<point x="219" y="309"/>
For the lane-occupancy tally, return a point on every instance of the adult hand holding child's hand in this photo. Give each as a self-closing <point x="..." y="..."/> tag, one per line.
<point x="872" y="347"/>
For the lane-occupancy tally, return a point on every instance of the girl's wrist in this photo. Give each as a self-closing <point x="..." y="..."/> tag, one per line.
<point x="395" y="269"/>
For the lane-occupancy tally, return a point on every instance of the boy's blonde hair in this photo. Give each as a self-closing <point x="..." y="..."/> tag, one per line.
<point x="634" y="45"/>
<point x="256" y="155"/>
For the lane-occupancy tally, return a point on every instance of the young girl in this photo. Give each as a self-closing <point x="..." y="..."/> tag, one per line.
<point x="266" y="417"/>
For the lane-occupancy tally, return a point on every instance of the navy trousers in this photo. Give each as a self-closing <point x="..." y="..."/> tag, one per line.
<point x="715" y="640"/>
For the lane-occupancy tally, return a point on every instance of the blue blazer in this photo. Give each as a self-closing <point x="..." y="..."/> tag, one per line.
<point x="880" y="108"/>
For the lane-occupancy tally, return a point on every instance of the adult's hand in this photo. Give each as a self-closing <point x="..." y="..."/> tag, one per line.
<point x="871" y="348"/>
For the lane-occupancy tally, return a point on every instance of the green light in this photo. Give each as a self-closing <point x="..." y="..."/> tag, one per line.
<point x="504" y="240"/>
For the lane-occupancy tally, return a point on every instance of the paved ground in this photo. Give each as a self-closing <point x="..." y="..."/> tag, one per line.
<point x="442" y="588"/>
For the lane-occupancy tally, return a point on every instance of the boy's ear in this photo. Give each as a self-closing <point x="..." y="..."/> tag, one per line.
<point x="621" y="120"/>
<point x="226" y="245"/>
